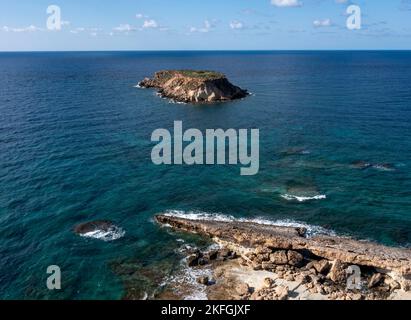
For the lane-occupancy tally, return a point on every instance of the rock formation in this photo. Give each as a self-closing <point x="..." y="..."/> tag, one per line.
<point x="194" y="86"/>
<point x="317" y="265"/>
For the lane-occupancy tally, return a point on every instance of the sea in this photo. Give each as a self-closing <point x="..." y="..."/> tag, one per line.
<point x="75" y="146"/>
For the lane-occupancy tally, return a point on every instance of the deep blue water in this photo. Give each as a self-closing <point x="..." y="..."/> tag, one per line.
<point x="75" y="146"/>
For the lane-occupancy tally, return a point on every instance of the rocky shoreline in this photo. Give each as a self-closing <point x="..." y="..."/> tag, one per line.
<point x="266" y="262"/>
<point x="191" y="86"/>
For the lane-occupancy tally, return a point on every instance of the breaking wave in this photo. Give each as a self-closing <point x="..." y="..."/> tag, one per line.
<point x="111" y="234"/>
<point x="291" y="197"/>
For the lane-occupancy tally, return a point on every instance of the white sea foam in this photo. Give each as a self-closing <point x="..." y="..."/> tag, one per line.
<point x="192" y="215"/>
<point x="291" y="197"/>
<point x="185" y="284"/>
<point x="382" y="167"/>
<point x="113" y="233"/>
<point x="137" y="86"/>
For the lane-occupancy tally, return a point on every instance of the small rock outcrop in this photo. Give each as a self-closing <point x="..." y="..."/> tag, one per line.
<point x="93" y="226"/>
<point x="100" y="229"/>
<point x="192" y="86"/>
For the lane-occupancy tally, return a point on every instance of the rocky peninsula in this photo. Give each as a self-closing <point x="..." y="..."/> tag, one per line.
<point x="191" y="86"/>
<point x="267" y="262"/>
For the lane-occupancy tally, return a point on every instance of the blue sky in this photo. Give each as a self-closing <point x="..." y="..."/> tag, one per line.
<point x="204" y="25"/>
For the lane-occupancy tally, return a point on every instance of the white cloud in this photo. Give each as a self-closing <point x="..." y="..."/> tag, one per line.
<point x="236" y="24"/>
<point x="150" y="24"/>
<point x="322" y="23"/>
<point x="208" y="26"/>
<point x="141" y="16"/>
<point x="124" y="28"/>
<point x="286" y="3"/>
<point x="30" y="28"/>
<point x="78" y="30"/>
<point x="92" y="31"/>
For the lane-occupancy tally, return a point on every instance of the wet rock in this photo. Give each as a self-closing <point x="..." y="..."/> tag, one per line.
<point x="226" y="254"/>
<point x="279" y="257"/>
<point x="320" y="289"/>
<point x="192" y="260"/>
<point x="100" y="229"/>
<point x="211" y="255"/>
<point x="361" y="164"/>
<point x="91" y="226"/>
<point x="203" y="280"/>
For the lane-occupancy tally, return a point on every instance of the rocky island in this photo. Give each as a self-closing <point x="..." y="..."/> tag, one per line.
<point x="267" y="262"/>
<point x="191" y="86"/>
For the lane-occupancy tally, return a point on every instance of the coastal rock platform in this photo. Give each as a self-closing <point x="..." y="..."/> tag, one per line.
<point x="267" y="262"/>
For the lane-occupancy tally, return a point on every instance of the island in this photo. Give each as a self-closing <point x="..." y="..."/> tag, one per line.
<point x="268" y="262"/>
<point x="193" y="86"/>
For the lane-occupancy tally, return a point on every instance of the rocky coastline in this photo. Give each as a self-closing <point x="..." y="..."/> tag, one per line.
<point x="191" y="86"/>
<point x="266" y="262"/>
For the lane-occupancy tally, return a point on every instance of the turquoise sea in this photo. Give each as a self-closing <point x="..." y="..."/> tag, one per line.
<point x="335" y="154"/>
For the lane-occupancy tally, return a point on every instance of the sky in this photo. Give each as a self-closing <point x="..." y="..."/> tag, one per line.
<point x="88" y="25"/>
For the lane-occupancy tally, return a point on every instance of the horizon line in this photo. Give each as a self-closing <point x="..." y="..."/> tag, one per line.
<point x="205" y="50"/>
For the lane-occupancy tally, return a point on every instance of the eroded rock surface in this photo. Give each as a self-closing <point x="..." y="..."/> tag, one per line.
<point x="299" y="266"/>
<point x="341" y="249"/>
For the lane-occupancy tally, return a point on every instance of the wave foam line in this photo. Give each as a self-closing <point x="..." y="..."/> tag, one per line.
<point x="291" y="197"/>
<point x="105" y="235"/>
<point x="192" y="215"/>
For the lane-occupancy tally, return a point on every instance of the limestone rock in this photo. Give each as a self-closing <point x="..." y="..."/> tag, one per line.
<point x="342" y="250"/>
<point x="322" y="266"/>
<point x="268" y="282"/>
<point x="375" y="280"/>
<point x="337" y="272"/>
<point x="294" y="258"/>
<point x="282" y="292"/>
<point x="279" y="257"/>
<point x="242" y="289"/>
<point x="194" y="86"/>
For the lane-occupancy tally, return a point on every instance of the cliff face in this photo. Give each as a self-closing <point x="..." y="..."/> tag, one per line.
<point x="194" y="86"/>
